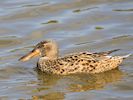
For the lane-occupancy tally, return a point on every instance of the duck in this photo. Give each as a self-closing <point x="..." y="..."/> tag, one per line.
<point x="82" y="62"/>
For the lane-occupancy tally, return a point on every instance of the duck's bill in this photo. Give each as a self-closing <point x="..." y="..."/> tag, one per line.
<point x="30" y="55"/>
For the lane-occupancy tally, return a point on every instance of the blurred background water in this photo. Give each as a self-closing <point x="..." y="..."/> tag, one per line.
<point x="76" y="25"/>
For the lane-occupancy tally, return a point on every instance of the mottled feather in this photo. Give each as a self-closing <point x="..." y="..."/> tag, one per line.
<point x="85" y="62"/>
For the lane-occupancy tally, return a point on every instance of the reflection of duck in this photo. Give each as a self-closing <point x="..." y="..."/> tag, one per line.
<point x="95" y="81"/>
<point x="50" y="96"/>
<point x="47" y="79"/>
<point x="84" y="62"/>
<point x="55" y="86"/>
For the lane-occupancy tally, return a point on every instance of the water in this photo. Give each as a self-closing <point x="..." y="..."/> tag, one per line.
<point x="76" y="25"/>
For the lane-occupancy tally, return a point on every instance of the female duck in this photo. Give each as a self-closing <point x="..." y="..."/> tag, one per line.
<point x="84" y="62"/>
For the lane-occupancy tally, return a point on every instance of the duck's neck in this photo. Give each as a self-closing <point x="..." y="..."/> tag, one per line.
<point x="48" y="58"/>
<point x="53" y="54"/>
<point x="51" y="57"/>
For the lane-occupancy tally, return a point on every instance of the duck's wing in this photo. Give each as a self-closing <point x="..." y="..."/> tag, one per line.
<point x="102" y="55"/>
<point x="93" y="56"/>
<point x="106" y="52"/>
<point x="96" y="56"/>
<point x="83" y="55"/>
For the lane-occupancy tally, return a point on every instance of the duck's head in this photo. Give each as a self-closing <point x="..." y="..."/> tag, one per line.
<point x="48" y="49"/>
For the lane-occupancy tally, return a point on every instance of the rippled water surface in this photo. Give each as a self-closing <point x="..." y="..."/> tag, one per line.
<point x="76" y="25"/>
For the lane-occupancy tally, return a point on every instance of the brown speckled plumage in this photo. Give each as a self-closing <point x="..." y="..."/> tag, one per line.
<point x="84" y="62"/>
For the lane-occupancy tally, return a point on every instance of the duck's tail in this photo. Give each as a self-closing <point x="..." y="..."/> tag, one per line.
<point x="126" y="56"/>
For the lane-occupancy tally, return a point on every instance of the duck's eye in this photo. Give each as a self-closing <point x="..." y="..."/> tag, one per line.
<point x="44" y="45"/>
<point x="48" y="48"/>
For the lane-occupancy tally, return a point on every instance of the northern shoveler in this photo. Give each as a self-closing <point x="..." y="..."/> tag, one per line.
<point x="83" y="62"/>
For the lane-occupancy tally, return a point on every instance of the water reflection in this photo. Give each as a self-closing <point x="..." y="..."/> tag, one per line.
<point x="97" y="81"/>
<point x="47" y="79"/>
<point x="72" y="83"/>
<point x="50" y="96"/>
